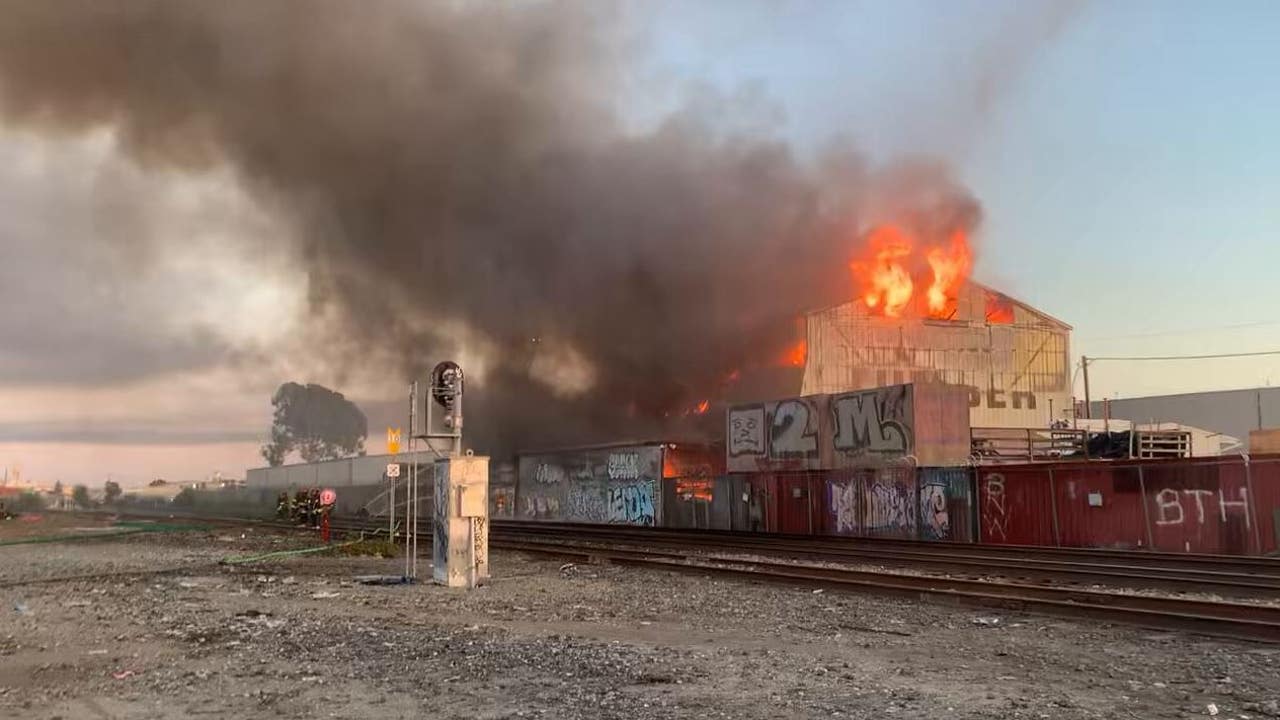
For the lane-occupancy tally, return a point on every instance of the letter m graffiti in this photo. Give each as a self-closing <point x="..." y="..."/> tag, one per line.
<point x="861" y="427"/>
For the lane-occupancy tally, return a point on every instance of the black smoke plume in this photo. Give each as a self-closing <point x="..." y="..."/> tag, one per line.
<point x="459" y="169"/>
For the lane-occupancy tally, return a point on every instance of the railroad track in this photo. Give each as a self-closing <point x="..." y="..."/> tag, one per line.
<point x="779" y="559"/>
<point x="1084" y="568"/>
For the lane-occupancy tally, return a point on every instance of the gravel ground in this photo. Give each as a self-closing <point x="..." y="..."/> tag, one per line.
<point x="296" y="638"/>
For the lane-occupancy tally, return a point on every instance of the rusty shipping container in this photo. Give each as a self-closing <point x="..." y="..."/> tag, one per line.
<point x="1224" y="506"/>
<point x="1011" y="360"/>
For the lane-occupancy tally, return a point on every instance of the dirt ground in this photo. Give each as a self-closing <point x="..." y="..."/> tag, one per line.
<point x="295" y="637"/>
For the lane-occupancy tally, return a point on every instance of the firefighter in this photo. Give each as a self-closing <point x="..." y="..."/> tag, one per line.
<point x="282" y="505"/>
<point x="313" y="507"/>
<point x="299" y="509"/>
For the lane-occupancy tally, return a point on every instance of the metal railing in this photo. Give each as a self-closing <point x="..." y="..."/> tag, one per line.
<point x="995" y="445"/>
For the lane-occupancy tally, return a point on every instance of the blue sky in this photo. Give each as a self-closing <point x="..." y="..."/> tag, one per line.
<point x="1128" y="154"/>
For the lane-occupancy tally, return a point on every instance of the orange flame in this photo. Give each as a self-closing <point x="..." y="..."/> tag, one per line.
<point x="999" y="310"/>
<point x="889" y="274"/>
<point x="950" y="268"/>
<point x="702" y="407"/>
<point x="885" y="280"/>
<point x="796" y="354"/>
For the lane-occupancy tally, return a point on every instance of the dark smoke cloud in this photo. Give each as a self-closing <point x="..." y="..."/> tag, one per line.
<point x="460" y="163"/>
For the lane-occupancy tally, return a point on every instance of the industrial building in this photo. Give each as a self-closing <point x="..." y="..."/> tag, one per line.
<point x="1013" y="360"/>
<point x="1233" y="413"/>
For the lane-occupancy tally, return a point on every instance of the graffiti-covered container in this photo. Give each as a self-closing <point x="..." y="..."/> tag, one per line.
<point x="612" y="485"/>
<point x="946" y="504"/>
<point x="897" y="425"/>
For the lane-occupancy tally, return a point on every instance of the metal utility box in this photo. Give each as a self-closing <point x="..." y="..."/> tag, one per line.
<point x="460" y="552"/>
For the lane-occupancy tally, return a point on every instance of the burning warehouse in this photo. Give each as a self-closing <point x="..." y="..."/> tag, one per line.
<point x="927" y="322"/>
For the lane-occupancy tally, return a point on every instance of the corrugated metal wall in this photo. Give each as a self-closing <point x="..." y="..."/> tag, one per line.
<point x="1226" y="506"/>
<point x="619" y="485"/>
<point x="1016" y="374"/>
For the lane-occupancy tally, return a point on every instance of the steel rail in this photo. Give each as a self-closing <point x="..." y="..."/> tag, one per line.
<point x="954" y="563"/>
<point x="1257" y="623"/>
<point x="1098" y="556"/>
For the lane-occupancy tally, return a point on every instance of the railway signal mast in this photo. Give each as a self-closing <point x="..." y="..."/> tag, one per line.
<point x="460" y="485"/>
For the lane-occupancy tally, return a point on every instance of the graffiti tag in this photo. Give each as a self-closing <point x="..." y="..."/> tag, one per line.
<point x="993" y="506"/>
<point x="1171" y="511"/>
<point x="540" y="507"/>
<point x="934" y="520"/>
<point x="844" y="505"/>
<point x="586" y="504"/>
<point x="889" y="505"/>
<point x="624" y="466"/>
<point x="632" y="504"/>
<point x="790" y="434"/>
<point x="746" y="431"/>
<point x="548" y="474"/>
<point x="863" y="425"/>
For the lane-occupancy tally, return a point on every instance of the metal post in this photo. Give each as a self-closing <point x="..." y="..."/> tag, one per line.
<point x="1146" y="511"/>
<point x="1084" y="366"/>
<point x="1252" y="508"/>
<point x="1053" y="507"/>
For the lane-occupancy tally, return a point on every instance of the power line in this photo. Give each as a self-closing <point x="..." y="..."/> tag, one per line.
<point x="1188" y="331"/>
<point x="1188" y="357"/>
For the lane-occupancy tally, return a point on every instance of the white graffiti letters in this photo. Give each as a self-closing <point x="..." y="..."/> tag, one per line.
<point x="550" y="474"/>
<point x="993" y="507"/>
<point x="1170" y="511"/>
<point x="889" y="505"/>
<point x="844" y="505"/>
<point x="624" y="466"/>
<point x="1168" y="500"/>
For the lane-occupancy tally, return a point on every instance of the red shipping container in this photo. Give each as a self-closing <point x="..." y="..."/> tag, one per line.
<point x="1264" y="502"/>
<point x="798" y="503"/>
<point x="1199" y="508"/>
<point x="1015" y="506"/>
<point x="1098" y="505"/>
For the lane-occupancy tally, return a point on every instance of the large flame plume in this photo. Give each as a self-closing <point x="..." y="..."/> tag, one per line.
<point x="895" y="264"/>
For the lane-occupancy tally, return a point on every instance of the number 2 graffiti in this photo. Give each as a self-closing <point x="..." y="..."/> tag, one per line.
<point x="790" y="433"/>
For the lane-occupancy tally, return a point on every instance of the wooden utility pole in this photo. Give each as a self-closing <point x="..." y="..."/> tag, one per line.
<point x="1084" y="367"/>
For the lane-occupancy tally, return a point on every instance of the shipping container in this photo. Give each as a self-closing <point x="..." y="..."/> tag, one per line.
<point x="1011" y="360"/>
<point x="1098" y="505"/>
<point x="946" y="504"/>
<point x="1016" y="506"/>
<point x="610" y="485"/>
<point x="1263" y="484"/>
<point x="895" y="425"/>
